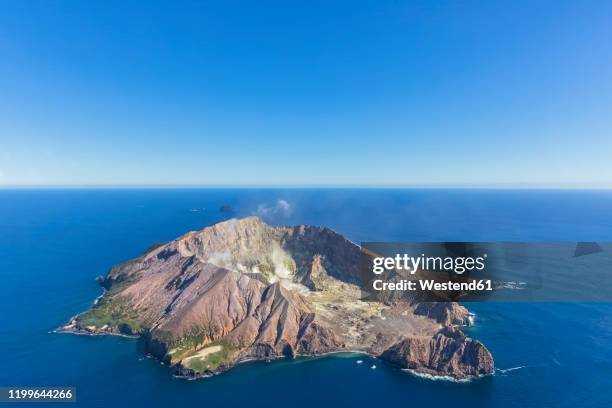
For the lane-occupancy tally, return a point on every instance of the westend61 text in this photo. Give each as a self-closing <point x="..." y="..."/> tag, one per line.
<point x="429" y="285"/>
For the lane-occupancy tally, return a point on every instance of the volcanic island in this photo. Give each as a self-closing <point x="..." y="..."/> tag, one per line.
<point x="243" y="290"/>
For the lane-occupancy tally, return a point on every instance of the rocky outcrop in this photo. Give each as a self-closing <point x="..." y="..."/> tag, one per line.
<point x="445" y="313"/>
<point x="448" y="353"/>
<point x="242" y="290"/>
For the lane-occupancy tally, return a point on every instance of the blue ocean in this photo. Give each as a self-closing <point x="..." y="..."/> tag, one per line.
<point x="54" y="242"/>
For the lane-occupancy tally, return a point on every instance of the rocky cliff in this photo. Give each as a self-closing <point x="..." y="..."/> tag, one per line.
<point x="448" y="353"/>
<point x="243" y="290"/>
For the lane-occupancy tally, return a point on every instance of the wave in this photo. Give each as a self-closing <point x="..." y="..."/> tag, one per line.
<point x="438" y="377"/>
<point x="507" y="370"/>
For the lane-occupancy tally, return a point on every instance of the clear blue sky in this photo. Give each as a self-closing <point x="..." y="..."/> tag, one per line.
<point x="294" y="93"/>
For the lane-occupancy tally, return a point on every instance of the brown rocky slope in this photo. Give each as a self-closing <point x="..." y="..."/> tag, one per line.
<point x="241" y="290"/>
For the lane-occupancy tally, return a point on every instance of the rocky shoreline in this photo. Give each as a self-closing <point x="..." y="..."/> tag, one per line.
<point x="391" y="357"/>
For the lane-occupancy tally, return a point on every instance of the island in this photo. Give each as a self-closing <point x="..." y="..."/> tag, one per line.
<point x="242" y="290"/>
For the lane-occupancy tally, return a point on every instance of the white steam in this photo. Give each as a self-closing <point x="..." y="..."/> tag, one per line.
<point x="281" y="207"/>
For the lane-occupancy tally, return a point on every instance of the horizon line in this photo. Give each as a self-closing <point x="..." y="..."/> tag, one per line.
<point x="503" y="186"/>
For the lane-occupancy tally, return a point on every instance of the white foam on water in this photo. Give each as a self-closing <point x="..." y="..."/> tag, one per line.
<point x="438" y="377"/>
<point x="507" y="370"/>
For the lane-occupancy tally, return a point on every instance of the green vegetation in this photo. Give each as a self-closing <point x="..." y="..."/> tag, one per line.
<point x="188" y="345"/>
<point x="188" y="348"/>
<point x="185" y="348"/>
<point x="113" y="312"/>
<point x="211" y="361"/>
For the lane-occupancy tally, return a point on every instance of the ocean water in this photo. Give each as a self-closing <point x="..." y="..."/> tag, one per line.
<point x="53" y="243"/>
